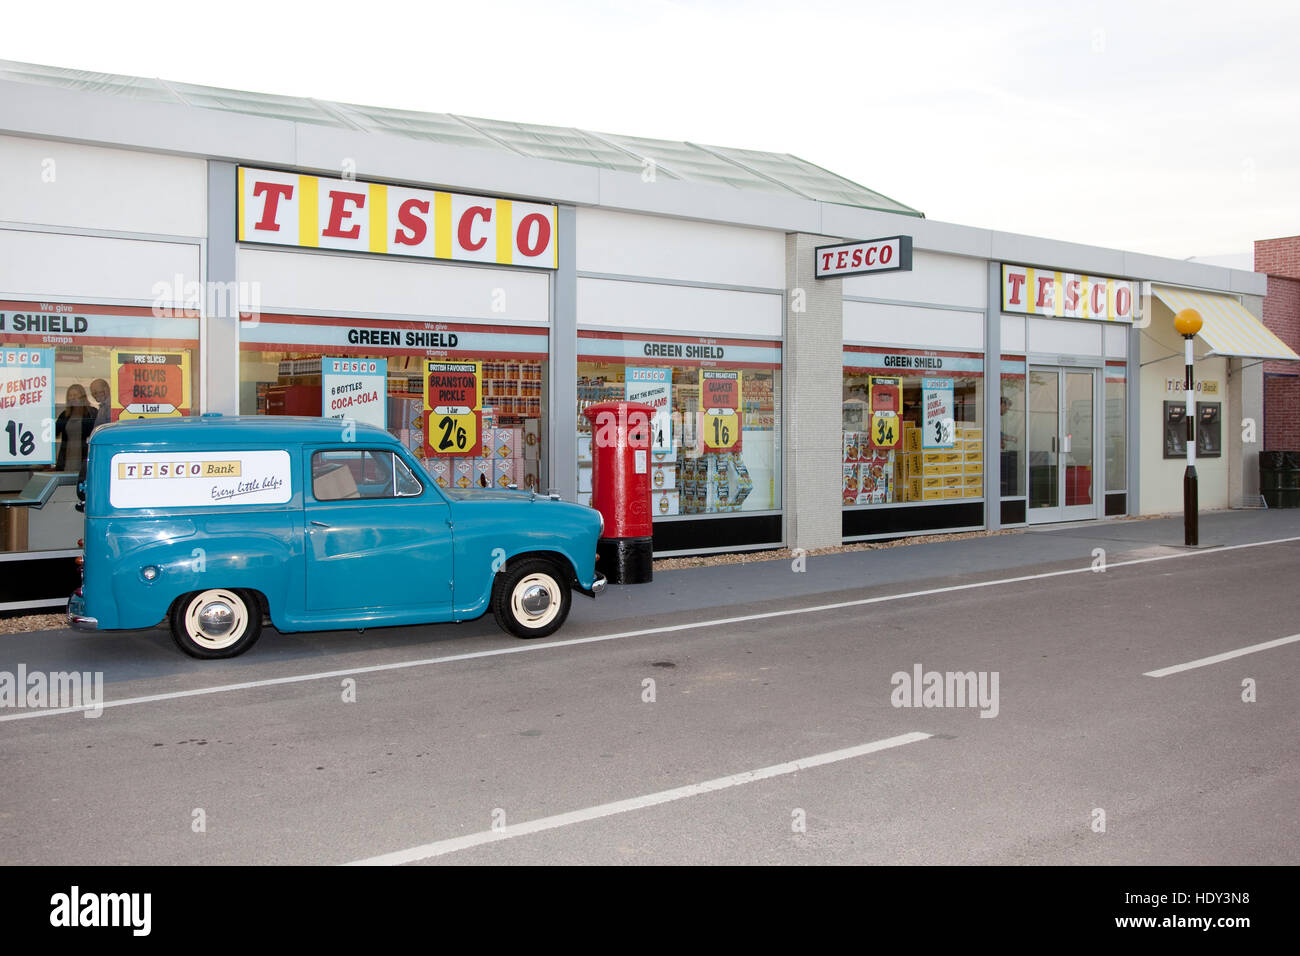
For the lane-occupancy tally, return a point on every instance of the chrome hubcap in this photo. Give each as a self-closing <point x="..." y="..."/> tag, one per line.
<point x="536" y="599"/>
<point x="217" y="618"/>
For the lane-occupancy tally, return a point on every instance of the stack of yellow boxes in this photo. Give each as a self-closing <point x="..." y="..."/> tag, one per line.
<point x="956" y="472"/>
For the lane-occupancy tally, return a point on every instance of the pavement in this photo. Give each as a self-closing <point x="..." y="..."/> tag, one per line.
<point x="725" y="714"/>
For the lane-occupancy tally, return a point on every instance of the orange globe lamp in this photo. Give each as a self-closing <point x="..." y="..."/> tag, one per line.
<point x="1188" y="322"/>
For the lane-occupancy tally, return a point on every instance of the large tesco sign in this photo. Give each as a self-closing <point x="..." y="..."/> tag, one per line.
<point x="293" y="209"/>
<point x="893" y="254"/>
<point x="1066" y="294"/>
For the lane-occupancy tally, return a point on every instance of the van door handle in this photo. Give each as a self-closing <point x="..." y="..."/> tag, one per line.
<point x="320" y="524"/>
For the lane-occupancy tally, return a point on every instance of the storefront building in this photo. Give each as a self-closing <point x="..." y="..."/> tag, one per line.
<point x="1279" y="259"/>
<point x="827" y="365"/>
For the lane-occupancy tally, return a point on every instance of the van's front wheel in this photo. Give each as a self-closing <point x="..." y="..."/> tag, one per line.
<point x="219" y="622"/>
<point x="531" y="599"/>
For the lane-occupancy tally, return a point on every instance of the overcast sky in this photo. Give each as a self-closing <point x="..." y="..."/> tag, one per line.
<point x="1168" y="128"/>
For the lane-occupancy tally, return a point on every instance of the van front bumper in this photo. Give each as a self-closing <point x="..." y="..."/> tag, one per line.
<point x="77" y="613"/>
<point x="597" y="587"/>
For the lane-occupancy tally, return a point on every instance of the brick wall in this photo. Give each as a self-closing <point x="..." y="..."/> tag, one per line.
<point x="1279" y="259"/>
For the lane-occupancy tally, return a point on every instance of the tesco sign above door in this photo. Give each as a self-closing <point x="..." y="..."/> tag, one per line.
<point x="1066" y="295"/>
<point x="871" y="255"/>
<point x="294" y="209"/>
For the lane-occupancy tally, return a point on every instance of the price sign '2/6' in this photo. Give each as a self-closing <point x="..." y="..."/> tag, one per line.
<point x="27" y="406"/>
<point x="454" y="433"/>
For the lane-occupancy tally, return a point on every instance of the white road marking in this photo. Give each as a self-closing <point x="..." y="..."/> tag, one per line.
<point x="1225" y="656"/>
<point x="443" y="847"/>
<point x="622" y="635"/>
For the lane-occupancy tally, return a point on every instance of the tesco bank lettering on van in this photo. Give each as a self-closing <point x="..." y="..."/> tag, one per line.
<point x="893" y="254"/>
<point x="292" y="209"/>
<point x="1066" y="294"/>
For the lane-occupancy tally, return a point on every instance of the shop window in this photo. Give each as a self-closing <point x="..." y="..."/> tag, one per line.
<point x="496" y="442"/>
<point x="68" y="369"/>
<point x="699" y="466"/>
<point x="912" y="425"/>
<point x="1011" y="441"/>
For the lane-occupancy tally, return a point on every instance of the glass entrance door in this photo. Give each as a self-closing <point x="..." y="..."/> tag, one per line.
<point x="1062" y="473"/>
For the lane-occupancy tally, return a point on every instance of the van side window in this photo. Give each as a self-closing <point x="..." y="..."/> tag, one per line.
<point x="361" y="473"/>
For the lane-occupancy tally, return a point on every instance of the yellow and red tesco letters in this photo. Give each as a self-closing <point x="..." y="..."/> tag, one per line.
<point x="294" y="209"/>
<point x="1066" y="294"/>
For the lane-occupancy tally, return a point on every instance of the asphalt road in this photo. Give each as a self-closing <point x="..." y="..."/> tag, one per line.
<point x="528" y="753"/>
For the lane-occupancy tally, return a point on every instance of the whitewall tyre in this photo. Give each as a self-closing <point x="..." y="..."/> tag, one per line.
<point x="218" y="622"/>
<point x="531" y="599"/>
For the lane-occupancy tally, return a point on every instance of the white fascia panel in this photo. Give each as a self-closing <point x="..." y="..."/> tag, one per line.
<point x="373" y="285"/>
<point x="943" y="280"/>
<point x="91" y="269"/>
<point x="605" y="303"/>
<point x="55" y="183"/>
<point x="618" y="243"/>
<point x="912" y="326"/>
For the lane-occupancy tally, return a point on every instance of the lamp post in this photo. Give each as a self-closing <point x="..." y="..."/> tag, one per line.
<point x="1188" y="323"/>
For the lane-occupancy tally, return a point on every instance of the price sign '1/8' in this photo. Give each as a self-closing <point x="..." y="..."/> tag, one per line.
<point x="27" y="406"/>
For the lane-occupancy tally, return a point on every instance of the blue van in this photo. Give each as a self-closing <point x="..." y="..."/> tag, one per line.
<point x="213" y="523"/>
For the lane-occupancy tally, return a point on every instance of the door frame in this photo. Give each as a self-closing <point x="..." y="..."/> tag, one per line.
<point x="1060" y="365"/>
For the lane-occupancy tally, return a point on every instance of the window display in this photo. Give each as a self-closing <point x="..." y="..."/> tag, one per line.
<point x="912" y="426"/>
<point x="716" y="442"/>
<point x="67" y="369"/>
<point x="290" y="365"/>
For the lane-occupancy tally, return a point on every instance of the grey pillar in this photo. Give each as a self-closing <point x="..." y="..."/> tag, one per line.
<point x="1133" y="396"/>
<point x="562" y="458"/>
<point x="813" y="373"/>
<point x="220" y="323"/>
<point x="993" y="400"/>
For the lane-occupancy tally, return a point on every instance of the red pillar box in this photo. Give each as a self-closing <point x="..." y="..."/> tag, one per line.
<point x="620" y="489"/>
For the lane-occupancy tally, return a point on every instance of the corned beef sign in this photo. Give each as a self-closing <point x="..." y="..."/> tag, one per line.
<point x="294" y="209"/>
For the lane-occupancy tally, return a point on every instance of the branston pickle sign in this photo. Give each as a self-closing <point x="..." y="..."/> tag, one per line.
<point x="453" y="402"/>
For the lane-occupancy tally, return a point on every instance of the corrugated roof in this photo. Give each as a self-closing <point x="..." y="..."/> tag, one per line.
<point x="772" y="173"/>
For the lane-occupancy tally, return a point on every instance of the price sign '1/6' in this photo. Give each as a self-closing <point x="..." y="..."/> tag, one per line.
<point x="27" y="406"/>
<point x="720" y="397"/>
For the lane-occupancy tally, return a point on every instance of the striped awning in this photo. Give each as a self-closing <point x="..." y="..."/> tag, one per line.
<point x="1228" y="328"/>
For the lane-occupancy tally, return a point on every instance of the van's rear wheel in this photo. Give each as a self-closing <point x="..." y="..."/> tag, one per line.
<point x="219" y="622"/>
<point x="531" y="599"/>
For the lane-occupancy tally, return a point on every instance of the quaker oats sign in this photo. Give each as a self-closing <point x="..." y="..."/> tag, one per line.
<point x="159" y="480"/>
